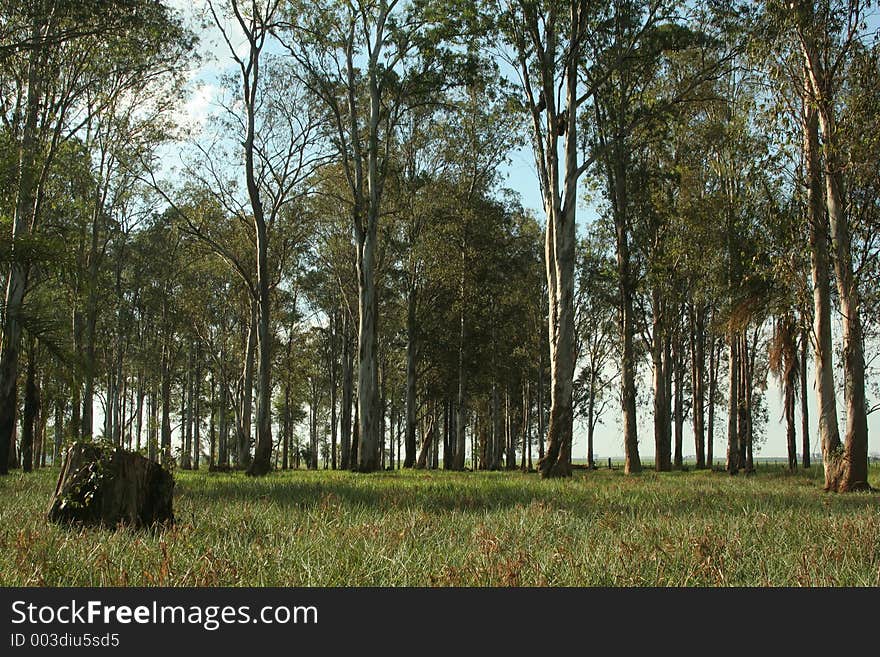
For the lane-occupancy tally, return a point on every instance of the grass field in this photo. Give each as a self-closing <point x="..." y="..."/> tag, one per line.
<point x="326" y="528"/>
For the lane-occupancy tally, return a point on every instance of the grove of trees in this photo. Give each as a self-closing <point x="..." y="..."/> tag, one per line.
<point x="329" y="269"/>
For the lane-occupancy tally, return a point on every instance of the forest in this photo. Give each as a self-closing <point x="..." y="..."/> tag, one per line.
<point x="252" y="236"/>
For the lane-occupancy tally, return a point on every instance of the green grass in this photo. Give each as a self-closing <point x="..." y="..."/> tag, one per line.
<point x="473" y="529"/>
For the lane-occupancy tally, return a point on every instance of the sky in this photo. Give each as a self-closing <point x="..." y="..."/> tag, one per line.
<point x="520" y="175"/>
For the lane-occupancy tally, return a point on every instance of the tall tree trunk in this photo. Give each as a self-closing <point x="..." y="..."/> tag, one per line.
<point x="805" y="409"/>
<point x="91" y="319"/>
<point x="399" y="431"/>
<point x="559" y="260"/>
<point x="383" y="408"/>
<point x="411" y="356"/>
<point x="212" y="426"/>
<point x="197" y="406"/>
<point x="497" y="432"/>
<point x="714" y="359"/>
<point x="22" y="224"/>
<point x="139" y="394"/>
<point x="829" y="433"/>
<point x="632" y="462"/>
<point x="334" y="429"/>
<point x="59" y="429"/>
<point x="791" y="439"/>
<point x="428" y="436"/>
<point x="662" y="444"/>
<point x="678" y="364"/>
<point x="222" y="417"/>
<point x="262" y="461"/>
<point x="347" y="393"/>
<point x="313" y="426"/>
<point x="166" y="404"/>
<point x="540" y="403"/>
<point x="846" y="468"/>
<point x="527" y="421"/>
<point x="368" y="371"/>
<point x="461" y="405"/>
<point x="31" y="402"/>
<point x="591" y="421"/>
<point x="245" y="402"/>
<point x="108" y="407"/>
<point x="184" y="420"/>
<point x="698" y="377"/>
<point x="733" y="448"/>
<point x="747" y="357"/>
<point x="435" y="446"/>
<point x="75" y="407"/>
<point x="354" y="438"/>
<point x="511" y="432"/>
<point x="151" y="404"/>
<point x="849" y="470"/>
<point x="285" y="442"/>
<point x="447" y="435"/>
<point x="186" y="414"/>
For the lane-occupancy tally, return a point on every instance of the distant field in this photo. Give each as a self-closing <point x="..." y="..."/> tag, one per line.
<point x="326" y="528"/>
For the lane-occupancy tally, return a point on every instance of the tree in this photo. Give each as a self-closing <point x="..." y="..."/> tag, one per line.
<point x="63" y="66"/>
<point x="547" y="41"/>
<point x="401" y="60"/>
<point x="595" y="309"/>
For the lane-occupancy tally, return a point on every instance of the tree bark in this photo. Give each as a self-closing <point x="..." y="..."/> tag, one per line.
<point x="632" y="462"/>
<point x="852" y="465"/>
<point x="428" y="437"/>
<point x="540" y="403"/>
<point x="345" y="411"/>
<point x="678" y="363"/>
<point x="662" y="442"/>
<point x="411" y="356"/>
<point x="197" y="410"/>
<point x="166" y="404"/>
<point x="212" y="426"/>
<point x="805" y="409"/>
<point x="527" y="421"/>
<point x="461" y="405"/>
<point x="559" y="248"/>
<point x="31" y="403"/>
<point x="733" y="447"/>
<point x="714" y="358"/>
<point x="285" y="429"/>
<point x="368" y="372"/>
<point x="245" y="401"/>
<point x="846" y="466"/>
<point x="698" y="377"/>
<point x="59" y="429"/>
<point x="22" y="223"/>
<point x="109" y="488"/>
<point x="186" y="414"/>
<point x="495" y="433"/>
<point x="262" y="461"/>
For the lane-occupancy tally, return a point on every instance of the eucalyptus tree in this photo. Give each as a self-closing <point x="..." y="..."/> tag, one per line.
<point x="276" y="131"/>
<point x="333" y="265"/>
<point x="49" y="75"/>
<point x="546" y="42"/>
<point x="449" y="158"/>
<point x="860" y="128"/>
<point x="825" y="37"/>
<point x="785" y="64"/>
<point x="595" y="309"/>
<point x="366" y="62"/>
<point x="826" y="34"/>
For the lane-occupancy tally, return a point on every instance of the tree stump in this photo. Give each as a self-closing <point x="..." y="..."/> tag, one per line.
<point x="100" y="486"/>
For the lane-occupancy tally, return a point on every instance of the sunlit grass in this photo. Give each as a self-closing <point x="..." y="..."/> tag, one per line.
<point x="326" y="528"/>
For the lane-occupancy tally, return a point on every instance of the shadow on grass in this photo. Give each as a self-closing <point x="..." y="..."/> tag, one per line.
<point x="676" y="495"/>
